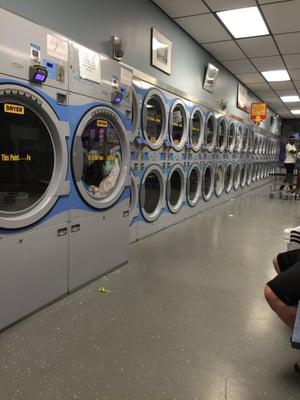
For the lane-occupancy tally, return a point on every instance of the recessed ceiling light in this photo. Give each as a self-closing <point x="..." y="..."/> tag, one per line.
<point x="276" y="76"/>
<point x="290" y="99"/>
<point x="295" y="111"/>
<point x="244" y="22"/>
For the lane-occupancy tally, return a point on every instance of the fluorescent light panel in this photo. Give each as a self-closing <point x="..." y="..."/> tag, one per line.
<point x="276" y="76"/>
<point x="290" y="99"/>
<point x="244" y="22"/>
<point x="295" y="112"/>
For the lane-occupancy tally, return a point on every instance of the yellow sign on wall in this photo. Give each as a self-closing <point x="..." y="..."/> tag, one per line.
<point x="14" y="108"/>
<point x="258" y="112"/>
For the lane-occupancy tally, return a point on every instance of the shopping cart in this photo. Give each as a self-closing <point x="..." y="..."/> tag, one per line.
<point x="279" y="179"/>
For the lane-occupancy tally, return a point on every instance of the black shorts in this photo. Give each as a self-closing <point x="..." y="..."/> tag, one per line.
<point x="286" y="285"/>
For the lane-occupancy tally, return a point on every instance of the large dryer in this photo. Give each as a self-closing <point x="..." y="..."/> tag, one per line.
<point x="33" y="167"/>
<point x="100" y="112"/>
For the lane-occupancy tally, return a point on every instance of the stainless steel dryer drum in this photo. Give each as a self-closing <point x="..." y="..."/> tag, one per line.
<point x="237" y="177"/>
<point x="208" y="183"/>
<point x="152" y="193"/>
<point x="249" y="173"/>
<point x="239" y="138"/>
<point x="231" y="137"/>
<point x="193" y="185"/>
<point x="243" y="176"/>
<point x="219" y="180"/>
<point x="196" y="129"/>
<point x="221" y="134"/>
<point x="178" y="125"/>
<point x="154" y="119"/>
<point x="176" y="188"/>
<point x="228" y="181"/>
<point x="210" y="132"/>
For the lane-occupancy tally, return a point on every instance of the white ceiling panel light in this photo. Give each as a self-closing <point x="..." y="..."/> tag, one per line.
<point x="295" y="112"/>
<point x="290" y="99"/>
<point x="279" y="75"/>
<point x="244" y="22"/>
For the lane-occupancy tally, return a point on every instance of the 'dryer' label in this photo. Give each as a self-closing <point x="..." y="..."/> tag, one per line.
<point x="14" y="108"/>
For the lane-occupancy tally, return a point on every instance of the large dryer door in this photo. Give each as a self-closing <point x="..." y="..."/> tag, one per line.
<point x="236" y="176"/>
<point x="193" y="185"/>
<point x="219" y="180"/>
<point x="221" y="134"/>
<point x="178" y="125"/>
<point x="33" y="157"/>
<point x="210" y="132"/>
<point x="228" y="178"/>
<point x="152" y="193"/>
<point x="208" y="182"/>
<point x="100" y="157"/>
<point x="176" y="188"/>
<point x="196" y="129"/>
<point x="231" y="137"/>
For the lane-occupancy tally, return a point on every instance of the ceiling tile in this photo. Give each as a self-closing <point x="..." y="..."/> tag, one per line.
<point x="297" y="83"/>
<point x="288" y="92"/>
<point x="292" y="106"/>
<point x="294" y="73"/>
<point x="270" y="1"/>
<point x="258" y="86"/>
<point x="282" y="85"/>
<point x="219" y="5"/>
<point x="224" y="50"/>
<point x="271" y="99"/>
<point x="253" y="77"/>
<point x="239" y="66"/>
<point x="268" y="63"/>
<point x="292" y="60"/>
<point x="204" y="28"/>
<point x="259" y="46"/>
<point x="178" y="8"/>
<point x="282" y="17"/>
<point x="288" y="43"/>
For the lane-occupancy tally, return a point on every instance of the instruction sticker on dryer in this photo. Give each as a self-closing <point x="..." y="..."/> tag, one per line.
<point x="126" y="77"/>
<point x="57" y="47"/>
<point x="89" y="65"/>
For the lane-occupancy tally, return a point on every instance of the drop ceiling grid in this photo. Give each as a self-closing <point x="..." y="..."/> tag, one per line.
<point x="280" y="49"/>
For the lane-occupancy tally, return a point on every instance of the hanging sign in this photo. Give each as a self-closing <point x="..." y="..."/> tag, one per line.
<point x="258" y="112"/>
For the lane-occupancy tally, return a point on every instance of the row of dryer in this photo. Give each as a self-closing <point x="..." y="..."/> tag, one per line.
<point x="185" y="158"/>
<point x="73" y="125"/>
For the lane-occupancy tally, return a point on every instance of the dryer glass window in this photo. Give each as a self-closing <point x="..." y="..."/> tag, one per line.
<point x="154" y="119"/>
<point x="177" y="124"/>
<point x="152" y="193"/>
<point x="228" y="178"/>
<point x="219" y="180"/>
<point x="207" y="182"/>
<point x="196" y="128"/>
<point x="245" y="140"/>
<point x="236" y="177"/>
<point x="175" y="188"/>
<point x="231" y="135"/>
<point x="102" y="158"/>
<point x="221" y="134"/>
<point x="238" y="138"/>
<point x="209" y="133"/>
<point x="193" y="184"/>
<point x="26" y="158"/>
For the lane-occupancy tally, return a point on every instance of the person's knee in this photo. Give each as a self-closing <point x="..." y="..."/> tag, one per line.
<point x="271" y="297"/>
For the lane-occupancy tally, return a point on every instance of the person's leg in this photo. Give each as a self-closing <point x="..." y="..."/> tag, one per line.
<point x="290" y="171"/>
<point x="285" y="312"/>
<point x="285" y="260"/>
<point x="276" y="265"/>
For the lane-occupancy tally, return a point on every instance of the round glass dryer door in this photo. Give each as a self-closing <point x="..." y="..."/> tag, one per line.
<point x="178" y="125"/>
<point x="152" y="193"/>
<point x="253" y="172"/>
<point x="237" y="177"/>
<point x="100" y="157"/>
<point x="231" y="137"/>
<point x="256" y="145"/>
<point x="239" y="138"/>
<point x="33" y="159"/>
<point x="208" y="183"/>
<point x="222" y="134"/>
<point x="228" y="178"/>
<point x="135" y="115"/>
<point x="249" y="173"/>
<point x="243" y="175"/>
<point x="219" y="180"/>
<point x="193" y="186"/>
<point x="133" y="203"/>
<point x="258" y="172"/>
<point x="196" y="129"/>
<point x="251" y="141"/>
<point x="176" y="188"/>
<point x="210" y="132"/>
<point x="154" y="119"/>
<point x="262" y="171"/>
<point x="245" y="141"/>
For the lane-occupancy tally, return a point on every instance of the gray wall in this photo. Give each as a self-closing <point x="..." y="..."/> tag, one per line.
<point x="93" y="22"/>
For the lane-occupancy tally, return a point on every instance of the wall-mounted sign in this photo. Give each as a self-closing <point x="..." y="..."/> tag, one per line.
<point x="161" y="52"/>
<point x="243" y="99"/>
<point x="258" y="112"/>
<point x="210" y="77"/>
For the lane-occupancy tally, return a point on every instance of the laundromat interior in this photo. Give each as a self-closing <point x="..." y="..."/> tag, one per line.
<point x="143" y="197"/>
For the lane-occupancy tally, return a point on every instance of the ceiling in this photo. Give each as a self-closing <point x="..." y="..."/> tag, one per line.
<point x="247" y="58"/>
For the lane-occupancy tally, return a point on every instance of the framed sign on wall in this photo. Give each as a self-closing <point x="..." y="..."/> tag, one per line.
<point x="161" y="51"/>
<point x="243" y="98"/>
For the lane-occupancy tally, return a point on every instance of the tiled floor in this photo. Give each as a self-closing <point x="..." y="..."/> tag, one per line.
<point x="185" y="320"/>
